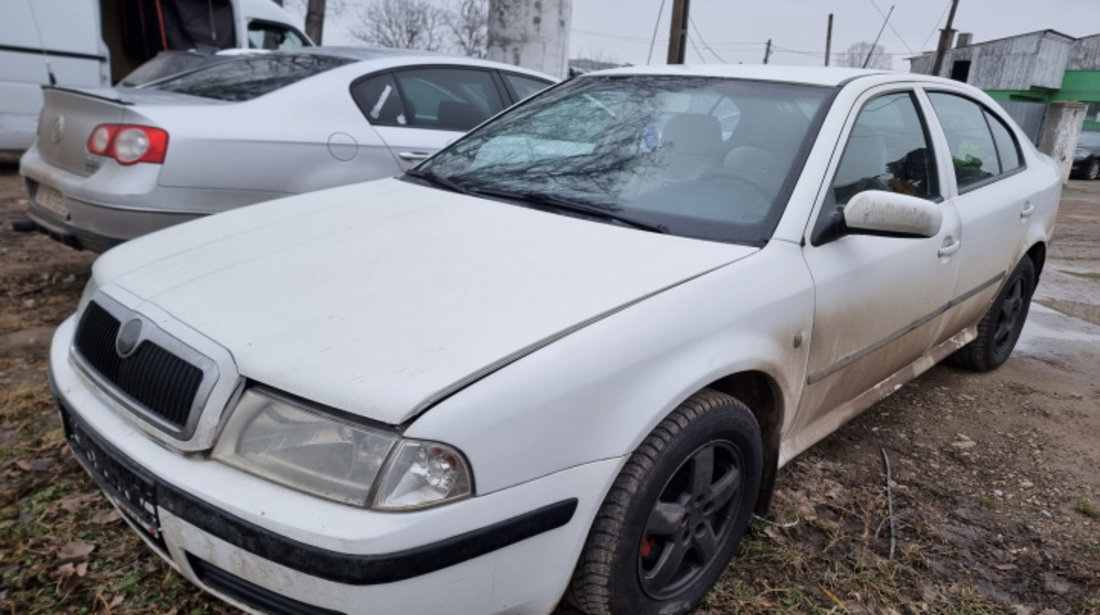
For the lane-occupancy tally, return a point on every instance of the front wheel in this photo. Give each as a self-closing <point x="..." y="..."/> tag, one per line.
<point x="675" y="513"/>
<point x="1001" y="326"/>
<point x="1093" y="171"/>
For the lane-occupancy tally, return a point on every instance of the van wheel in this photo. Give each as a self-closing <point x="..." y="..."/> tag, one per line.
<point x="1000" y="327"/>
<point x="675" y="514"/>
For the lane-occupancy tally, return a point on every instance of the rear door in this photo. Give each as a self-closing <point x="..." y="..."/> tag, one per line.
<point x="878" y="299"/>
<point x="993" y="195"/>
<point x="419" y="110"/>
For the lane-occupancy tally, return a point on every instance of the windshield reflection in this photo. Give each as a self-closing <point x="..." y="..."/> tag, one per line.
<point x="704" y="157"/>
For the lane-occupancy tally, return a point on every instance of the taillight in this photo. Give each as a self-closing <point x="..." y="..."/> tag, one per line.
<point x="128" y="143"/>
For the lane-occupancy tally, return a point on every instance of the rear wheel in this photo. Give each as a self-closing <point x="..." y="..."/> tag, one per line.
<point x="1000" y="327"/>
<point x="675" y="513"/>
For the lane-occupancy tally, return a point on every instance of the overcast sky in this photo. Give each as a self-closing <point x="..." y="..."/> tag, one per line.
<point x="736" y="30"/>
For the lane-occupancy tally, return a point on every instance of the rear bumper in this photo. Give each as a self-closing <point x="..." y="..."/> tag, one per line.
<point x="264" y="547"/>
<point x="115" y="203"/>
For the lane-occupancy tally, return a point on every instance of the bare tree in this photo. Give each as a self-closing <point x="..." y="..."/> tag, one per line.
<point x="856" y="54"/>
<point x="469" y="27"/>
<point x="405" y="24"/>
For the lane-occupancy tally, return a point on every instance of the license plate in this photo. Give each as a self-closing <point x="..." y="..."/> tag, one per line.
<point x="52" y="200"/>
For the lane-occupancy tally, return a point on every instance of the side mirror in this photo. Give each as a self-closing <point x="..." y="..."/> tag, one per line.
<point x="889" y="213"/>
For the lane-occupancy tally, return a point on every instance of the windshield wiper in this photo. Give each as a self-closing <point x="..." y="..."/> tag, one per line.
<point x="541" y="200"/>
<point x="438" y="181"/>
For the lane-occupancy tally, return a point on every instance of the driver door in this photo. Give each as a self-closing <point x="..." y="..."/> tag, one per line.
<point x="878" y="299"/>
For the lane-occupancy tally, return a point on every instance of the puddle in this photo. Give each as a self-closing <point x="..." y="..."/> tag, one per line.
<point x="1077" y="309"/>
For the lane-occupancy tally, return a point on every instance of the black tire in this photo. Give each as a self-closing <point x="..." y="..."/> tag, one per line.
<point x="1000" y="327"/>
<point x="666" y="504"/>
<point x="1093" y="171"/>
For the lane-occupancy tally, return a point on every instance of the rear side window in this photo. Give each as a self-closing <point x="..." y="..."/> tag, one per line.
<point x="1008" y="151"/>
<point x="379" y="100"/>
<point x="247" y="77"/>
<point x="524" y="87"/>
<point x="974" y="153"/>
<point x="438" y="98"/>
<point x="887" y="150"/>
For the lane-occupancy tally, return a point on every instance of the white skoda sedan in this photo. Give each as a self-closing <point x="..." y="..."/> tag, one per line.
<point x="564" y="357"/>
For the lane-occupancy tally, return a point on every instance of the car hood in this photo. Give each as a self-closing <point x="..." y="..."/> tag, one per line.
<point x="380" y="299"/>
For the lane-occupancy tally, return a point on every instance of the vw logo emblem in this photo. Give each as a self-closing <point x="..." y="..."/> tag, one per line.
<point x="55" y="129"/>
<point x="128" y="336"/>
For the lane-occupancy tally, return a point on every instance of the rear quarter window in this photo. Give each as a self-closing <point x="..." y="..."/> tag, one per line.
<point x="247" y="77"/>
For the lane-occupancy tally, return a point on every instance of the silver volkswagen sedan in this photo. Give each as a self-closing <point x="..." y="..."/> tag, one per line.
<point x="114" y="163"/>
<point x="565" y="356"/>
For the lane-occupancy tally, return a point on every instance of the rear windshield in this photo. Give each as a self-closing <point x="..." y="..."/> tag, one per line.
<point x="247" y="77"/>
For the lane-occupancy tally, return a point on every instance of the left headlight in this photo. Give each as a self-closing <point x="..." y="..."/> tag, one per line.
<point x="305" y="448"/>
<point x="1080" y="153"/>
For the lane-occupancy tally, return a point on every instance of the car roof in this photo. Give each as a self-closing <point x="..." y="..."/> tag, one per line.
<point x="813" y="75"/>
<point x="384" y="57"/>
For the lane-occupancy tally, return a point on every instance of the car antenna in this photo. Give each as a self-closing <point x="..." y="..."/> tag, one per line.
<point x="41" y="43"/>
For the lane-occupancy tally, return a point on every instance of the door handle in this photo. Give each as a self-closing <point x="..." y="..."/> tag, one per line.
<point x="413" y="156"/>
<point x="950" y="246"/>
<point x="1027" y="210"/>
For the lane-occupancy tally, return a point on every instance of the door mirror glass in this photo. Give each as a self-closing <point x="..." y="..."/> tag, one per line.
<point x="890" y="213"/>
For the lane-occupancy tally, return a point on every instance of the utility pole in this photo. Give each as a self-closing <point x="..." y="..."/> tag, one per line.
<point x="946" y="35"/>
<point x="829" y="40"/>
<point x="315" y="20"/>
<point x="875" y="44"/>
<point x="767" y="51"/>
<point x="677" y="39"/>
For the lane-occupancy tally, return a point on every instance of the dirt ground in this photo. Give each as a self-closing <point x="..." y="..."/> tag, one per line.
<point x="995" y="478"/>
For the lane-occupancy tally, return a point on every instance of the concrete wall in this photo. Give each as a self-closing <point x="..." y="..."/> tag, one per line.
<point x="531" y="34"/>
<point x="1085" y="54"/>
<point x="1033" y="60"/>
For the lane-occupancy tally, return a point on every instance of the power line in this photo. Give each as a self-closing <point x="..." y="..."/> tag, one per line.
<point x="656" y="25"/>
<point x="891" y="26"/>
<point x="691" y="20"/>
<point x="936" y="25"/>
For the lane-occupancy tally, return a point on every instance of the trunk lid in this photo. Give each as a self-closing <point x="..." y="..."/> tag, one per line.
<point x="67" y="120"/>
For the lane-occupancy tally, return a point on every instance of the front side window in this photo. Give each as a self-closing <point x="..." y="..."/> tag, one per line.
<point x="973" y="151"/>
<point x="888" y="149"/>
<point x="702" y="157"/>
<point x="249" y="76"/>
<point x="267" y="35"/>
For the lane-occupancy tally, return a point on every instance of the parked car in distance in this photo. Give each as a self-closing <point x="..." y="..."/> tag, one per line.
<point x="1086" y="159"/>
<point x="95" y="43"/>
<point x="566" y="355"/>
<point x="115" y="163"/>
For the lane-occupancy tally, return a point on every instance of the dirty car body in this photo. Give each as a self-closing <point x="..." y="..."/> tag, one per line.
<point x="564" y="356"/>
<point x="111" y="164"/>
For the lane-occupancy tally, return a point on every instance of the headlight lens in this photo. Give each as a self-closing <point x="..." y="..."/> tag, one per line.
<point x="423" y="474"/>
<point x="293" y="444"/>
<point x="1080" y="154"/>
<point x="289" y="443"/>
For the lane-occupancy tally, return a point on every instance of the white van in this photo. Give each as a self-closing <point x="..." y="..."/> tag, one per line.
<point x="94" y="43"/>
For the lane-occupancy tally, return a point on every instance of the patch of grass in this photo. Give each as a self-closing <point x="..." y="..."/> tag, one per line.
<point x="1092" y="548"/>
<point x="1086" y="508"/>
<point x="1092" y="275"/>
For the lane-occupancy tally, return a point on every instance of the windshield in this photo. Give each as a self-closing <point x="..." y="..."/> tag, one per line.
<point x="700" y="157"/>
<point x="1089" y="139"/>
<point x="248" y="76"/>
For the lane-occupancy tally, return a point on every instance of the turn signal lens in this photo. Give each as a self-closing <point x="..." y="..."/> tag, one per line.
<point x="129" y="144"/>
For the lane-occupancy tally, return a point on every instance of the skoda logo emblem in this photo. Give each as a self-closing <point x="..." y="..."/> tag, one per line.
<point x="55" y="130"/>
<point x="128" y="337"/>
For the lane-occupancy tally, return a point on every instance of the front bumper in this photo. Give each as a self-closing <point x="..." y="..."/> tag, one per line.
<point x="271" y="549"/>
